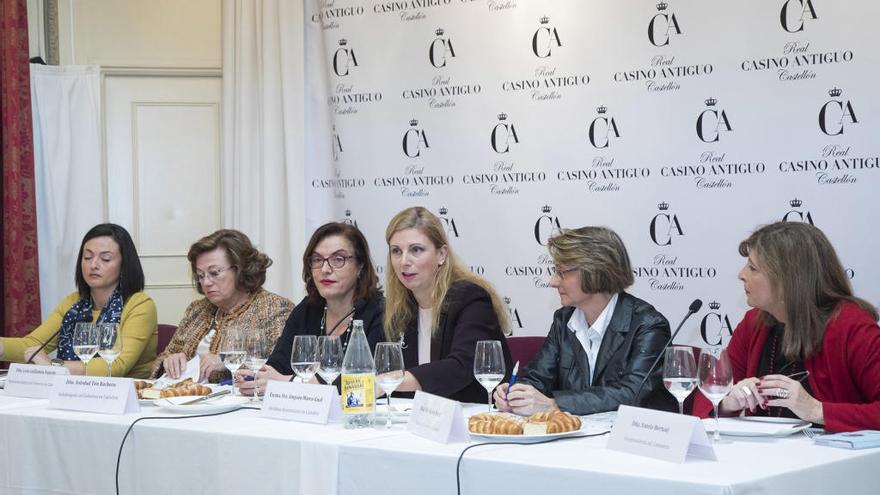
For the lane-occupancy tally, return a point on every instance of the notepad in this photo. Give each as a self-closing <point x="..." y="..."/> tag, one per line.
<point x="855" y="440"/>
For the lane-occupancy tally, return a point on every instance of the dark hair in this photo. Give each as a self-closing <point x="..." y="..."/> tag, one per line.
<point x="599" y="254"/>
<point x="249" y="263"/>
<point x="367" y="285"/>
<point x="131" y="275"/>
<point x="805" y="272"/>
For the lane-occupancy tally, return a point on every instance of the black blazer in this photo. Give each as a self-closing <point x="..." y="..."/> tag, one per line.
<point x="305" y="319"/>
<point x="466" y="316"/>
<point x="635" y="336"/>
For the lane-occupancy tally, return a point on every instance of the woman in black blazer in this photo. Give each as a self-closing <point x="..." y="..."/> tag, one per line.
<point x="438" y="309"/>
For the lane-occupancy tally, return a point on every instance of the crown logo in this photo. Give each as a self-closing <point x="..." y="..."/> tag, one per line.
<point x="443" y="210"/>
<point x="710" y="102"/>
<point x="439" y="32"/>
<point x="502" y="116"/>
<point x="663" y="206"/>
<point x="546" y="208"/>
<point x="343" y="42"/>
<point x="835" y="92"/>
<point x="714" y="305"/>
<point x="545" y="20"/>
<point x="348" y="213"/>
<point x="795" y="203"/>
<point x="602" y="109"/>
<point x="662" y="6"/>
<point x="413" y="122"/>
<point x="506" y="300"/>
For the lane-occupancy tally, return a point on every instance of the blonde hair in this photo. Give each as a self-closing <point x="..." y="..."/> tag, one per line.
<point x="400" y="304"/>
<point x="599" y="255"/>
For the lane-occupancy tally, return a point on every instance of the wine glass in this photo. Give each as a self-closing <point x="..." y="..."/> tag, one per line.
<point x="489" y="366"/>
<point x="304" y="357"/>
<point x="257" y="354"/>
<point x="85" y="342"/>
<point x="232" y="352"/>
<point x="389" y="370"/>
<point x="110" y="346"/>
<point x="679" y="373"/>
<point x="715" y="380"/>
<point x="330" y="355"/>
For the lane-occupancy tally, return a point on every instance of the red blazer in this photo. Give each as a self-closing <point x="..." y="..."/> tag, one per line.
<point x="844" y="375"/>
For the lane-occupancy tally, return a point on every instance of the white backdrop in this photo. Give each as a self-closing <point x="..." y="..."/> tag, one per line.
<point x="681" y="125"/>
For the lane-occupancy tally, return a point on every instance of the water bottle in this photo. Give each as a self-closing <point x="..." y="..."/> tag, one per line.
<point x="358" y="380"/>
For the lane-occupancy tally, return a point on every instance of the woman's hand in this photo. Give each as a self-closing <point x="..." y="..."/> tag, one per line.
<point x="175" y="365"/>
<point x="209" y="363"/>
<point x="258" y="383"/>
<point x="782" y="391"/>
<point x="525" y="400"/>
<point x="500" y="396"/>
<point x="743" y="395"/>
<point x="39" y="358"/>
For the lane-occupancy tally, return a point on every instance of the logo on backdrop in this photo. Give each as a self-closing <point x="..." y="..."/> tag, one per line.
<point x="712" y="122"/>
<point x="836" y="114"/>
<point x="348" y="218"/>
<point x="663" y="26"/>
<point x="664" y="227"/>
<point x="499" y="5"/>
<point x="503" y="134"/>
<point x="448" y="222"/>
<point x="327" y="14"/>
<point x="409" y="10"/>
<point x="795" y="13"/>
<point x="798" y="213"/>
<point x="336" y="144"/>
<point x="602" y="129"/>
<point x="715" y="325"/>
<point x="515" y="320"/>
<point x="545" y="39"/>
<point x="546" y="226"/>
<point x="440" y="50"/>
<point x="415" y="140"/>
<point x="344" y="59"/>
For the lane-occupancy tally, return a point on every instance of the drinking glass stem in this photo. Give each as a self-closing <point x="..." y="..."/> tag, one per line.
<point x="717" y="436"/>
<point x="490" y="401"/>
<point x="388" y="398"/>
<point x="681" y="407"/>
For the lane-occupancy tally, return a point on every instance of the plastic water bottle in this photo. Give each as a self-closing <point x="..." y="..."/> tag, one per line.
<point x="358" y="380"/>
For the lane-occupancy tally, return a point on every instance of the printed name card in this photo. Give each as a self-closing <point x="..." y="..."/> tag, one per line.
<point x="658" y="434"/>
<point x="437" y="418"/>
<point x="94" y="394"/>
<point x="302" y="402"/>
<point x="31" y="380"/>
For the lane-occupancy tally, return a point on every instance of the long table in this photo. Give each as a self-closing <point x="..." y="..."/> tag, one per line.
<point x="54" y="451"/>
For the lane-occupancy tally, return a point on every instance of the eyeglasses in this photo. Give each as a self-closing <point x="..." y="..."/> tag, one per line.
<point x="211" y="274"/>
<point x="336" y="261"/>
<point x="560" y="272"/>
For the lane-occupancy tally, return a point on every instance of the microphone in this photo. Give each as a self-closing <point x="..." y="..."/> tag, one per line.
<point x="44" y="344"/>
<point x="693" y="308"/>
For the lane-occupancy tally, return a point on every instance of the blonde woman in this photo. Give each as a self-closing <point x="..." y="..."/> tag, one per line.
<point x="437" y="308"/>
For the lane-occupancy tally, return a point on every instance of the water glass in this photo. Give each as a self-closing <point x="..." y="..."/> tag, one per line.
<point x="715" y="377"/>
<point x="389" y="370"/>
<point x="304" y="357"/>
<point x="110" y="346"/>
<point x="489" y="367"/>
<point x="679" y="373"/>
<point x="85" y="342"/>
<point x="257" y="350"/>
<point x="232" y="351"/>
<point x="330" y="356"/>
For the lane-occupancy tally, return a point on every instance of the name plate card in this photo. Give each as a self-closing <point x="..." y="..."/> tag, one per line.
<point x="305" y="402"/>
<point x="94" y="394"/>
<point x="660" y="435"/>
<point x="437" y="418"/>
<point x="31" y="380"/>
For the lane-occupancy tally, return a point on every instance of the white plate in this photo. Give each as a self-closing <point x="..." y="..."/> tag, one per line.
<point x="220" y="404"/>
<point x="771" y="419"/>
<point x="737" y="427"/>
<point x="534" y="438"/>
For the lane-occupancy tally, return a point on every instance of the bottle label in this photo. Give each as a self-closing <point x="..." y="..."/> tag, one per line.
<point x="358" y="394"/>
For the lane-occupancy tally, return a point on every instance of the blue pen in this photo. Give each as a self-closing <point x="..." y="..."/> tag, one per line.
<point x="512" y="378"/>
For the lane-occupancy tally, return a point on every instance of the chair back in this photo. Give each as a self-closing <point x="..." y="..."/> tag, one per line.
<point x="523" y="349"/>
<point x="165" y="333"/>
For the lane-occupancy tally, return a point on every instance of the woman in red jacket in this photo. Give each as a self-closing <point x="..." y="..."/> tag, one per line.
<point x="809" y="348"/>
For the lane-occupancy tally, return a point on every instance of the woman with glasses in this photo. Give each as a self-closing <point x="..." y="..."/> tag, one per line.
<point x="230" y="272"/>
<point x="809" y="348"/>
<point x="602" y="341"/>
<point x="438" y="309"/>
<point x="110" y="284"/>
<point x="341" y="286"/>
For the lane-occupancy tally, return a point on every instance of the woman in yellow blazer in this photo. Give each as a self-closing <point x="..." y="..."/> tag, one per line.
<point x="110" y="284"/>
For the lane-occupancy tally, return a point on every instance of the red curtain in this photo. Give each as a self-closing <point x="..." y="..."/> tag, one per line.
<point x="20" y="271"/>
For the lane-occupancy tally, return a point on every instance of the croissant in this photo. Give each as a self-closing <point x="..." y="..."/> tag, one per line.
<point x="192" y="389"/>
<point x="553" y="422"/>
<point x="182" y="383"/>
<point x="140" y="384"/>
<point x="496" y="424"/>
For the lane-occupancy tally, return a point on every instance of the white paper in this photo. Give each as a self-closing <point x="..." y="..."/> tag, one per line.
<point x="301" y="402"/>
<point x="437" y="418"/>
<point x="191" y="371"/>
<point x="32" y="380"/>
<point x="659" y="434"/>
<point x="94" y="394"/>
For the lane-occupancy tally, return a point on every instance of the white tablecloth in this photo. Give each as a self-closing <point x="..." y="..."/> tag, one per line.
<point x="52" y="451"/>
